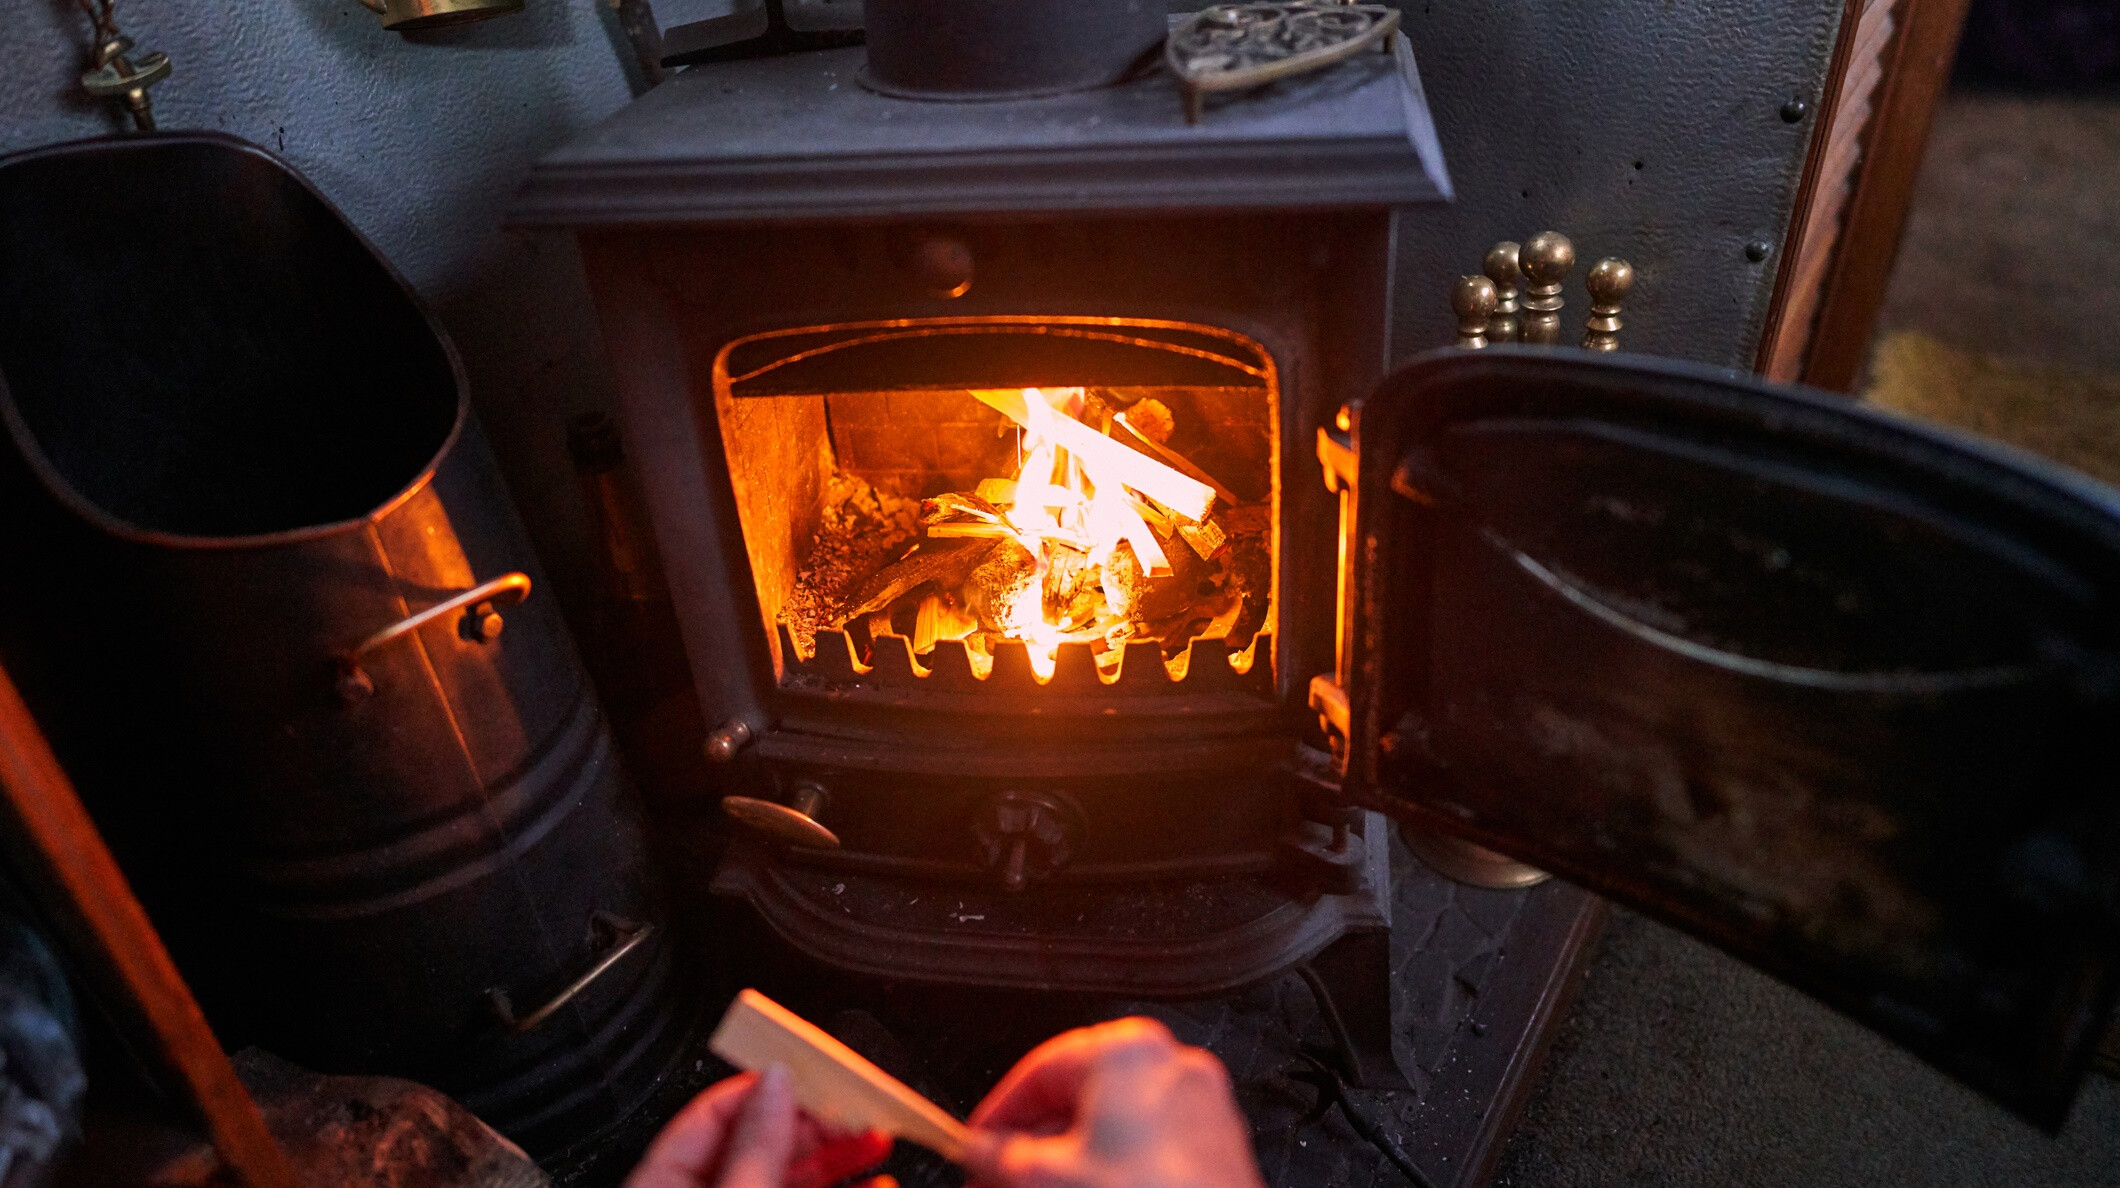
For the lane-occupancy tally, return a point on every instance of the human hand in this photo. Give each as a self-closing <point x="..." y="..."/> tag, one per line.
<point x="1118" y="1105"/>
<point x="745" y="1132"/>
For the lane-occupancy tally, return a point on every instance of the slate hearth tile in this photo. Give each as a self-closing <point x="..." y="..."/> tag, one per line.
<point x="1493" y="911"/>
<point x="1458" y="938"/>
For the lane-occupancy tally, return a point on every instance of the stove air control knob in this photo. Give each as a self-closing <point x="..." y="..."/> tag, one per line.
<point x="794" y="823"/>
<point x="1026" y="837"/>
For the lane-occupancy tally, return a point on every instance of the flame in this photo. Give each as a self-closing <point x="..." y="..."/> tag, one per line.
<point x="1065" y="501"/>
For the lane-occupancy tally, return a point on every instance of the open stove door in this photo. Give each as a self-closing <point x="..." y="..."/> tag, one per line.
<point x="1831" y="690"/>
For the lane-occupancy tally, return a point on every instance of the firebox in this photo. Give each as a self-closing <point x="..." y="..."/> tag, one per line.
<point x="1074" y="592"/>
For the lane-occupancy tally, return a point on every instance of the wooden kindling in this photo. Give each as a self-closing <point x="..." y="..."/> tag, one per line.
<point x="1107" y="459"/>
<point x="832" y="1081"/>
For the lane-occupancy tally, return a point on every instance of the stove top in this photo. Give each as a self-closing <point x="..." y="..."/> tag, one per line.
<point x="798" y="138"/>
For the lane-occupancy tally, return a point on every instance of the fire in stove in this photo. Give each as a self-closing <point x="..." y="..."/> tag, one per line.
<point x="1101" y="535"/>
<point x="997" y="533"/>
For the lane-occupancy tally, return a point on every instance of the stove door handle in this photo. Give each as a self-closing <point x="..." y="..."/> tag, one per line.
<point x="630" y="936"/>
<point x="794" y="823"/>
<point x="481" y="623"/>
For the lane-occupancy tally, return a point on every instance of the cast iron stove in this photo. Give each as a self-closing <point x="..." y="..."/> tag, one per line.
<point x="807" y="288"/>
<point x="1830" y="690"/>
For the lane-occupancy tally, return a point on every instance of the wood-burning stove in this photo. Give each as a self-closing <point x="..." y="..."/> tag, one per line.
<point x="1817" y="685"/>
<point x="805" y="286"/>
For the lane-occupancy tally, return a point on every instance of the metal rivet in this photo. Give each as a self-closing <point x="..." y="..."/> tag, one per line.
<point x="354" y="685"/>
<point x="1794" y="111"/>
<point x="482" y="624"/>
<point x="1757" y="250"/>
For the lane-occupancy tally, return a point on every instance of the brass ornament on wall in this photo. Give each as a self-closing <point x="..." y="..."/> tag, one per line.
<point x="409" y="16"/>
<point x="1234" y="47"/>
<point x="117" y="75"/>
<point x="114" y="72"/>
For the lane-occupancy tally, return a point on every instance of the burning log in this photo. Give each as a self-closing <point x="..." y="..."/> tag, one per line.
<point x="1072" y="591"/>
<point x="970" y="530"/>
<point x="946" y="563"/>
<point x="1133" y="422"/>
<point x="955" y="505"/>
<point x="1149" y="419"/>
<point x="998" y="581"/>
<point x="1106" y="459"/>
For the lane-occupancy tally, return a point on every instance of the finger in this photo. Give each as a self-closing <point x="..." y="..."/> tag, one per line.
<point x="685" y="1150"/>
<point x="763" y="1137"/>
<point x="1023" y="1161"/>
<point x="833" y="1161"/>
<point x="1041" y="1091"/>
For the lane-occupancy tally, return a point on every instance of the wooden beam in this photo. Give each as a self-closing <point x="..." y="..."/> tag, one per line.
<point x="1917" y="74"/>
<point x="1805" y="240"/>
<point x="1843" y="128"/>
<point x="50" y="841"/>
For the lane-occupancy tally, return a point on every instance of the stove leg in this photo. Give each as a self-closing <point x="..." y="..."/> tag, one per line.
<point x="1351" y="979"/>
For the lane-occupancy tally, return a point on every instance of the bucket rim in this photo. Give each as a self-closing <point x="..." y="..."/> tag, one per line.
<point x="63" y="490"/>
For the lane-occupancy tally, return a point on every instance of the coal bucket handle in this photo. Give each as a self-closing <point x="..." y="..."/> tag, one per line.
<point x="481" y="622"/>
<point x="630" y="936"/>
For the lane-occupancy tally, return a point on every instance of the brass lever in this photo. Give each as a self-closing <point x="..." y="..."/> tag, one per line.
<point x="794" y="823"/>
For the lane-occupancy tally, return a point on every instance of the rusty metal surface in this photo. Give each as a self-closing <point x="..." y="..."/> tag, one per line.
<point x="1830" y="690"/>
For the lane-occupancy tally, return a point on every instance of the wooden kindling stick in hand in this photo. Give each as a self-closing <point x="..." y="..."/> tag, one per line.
<point x="831" y="1080"/>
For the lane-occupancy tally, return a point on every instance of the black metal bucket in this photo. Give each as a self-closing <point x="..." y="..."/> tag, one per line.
<point x="258" y="562"/>
<point x="980" y="49"/>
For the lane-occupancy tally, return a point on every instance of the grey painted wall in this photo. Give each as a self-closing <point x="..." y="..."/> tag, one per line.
<point x="1643" y="128"/>
<point x="420" y="141"/>
<point x="1649" y="129"/>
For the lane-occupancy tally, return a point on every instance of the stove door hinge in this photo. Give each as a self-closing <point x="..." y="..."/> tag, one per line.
<point x="1337" y="457"/>
<point x="1327" y="851"/>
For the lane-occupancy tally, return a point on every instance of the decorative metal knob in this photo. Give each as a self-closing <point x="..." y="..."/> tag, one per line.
<point x="1609" y="282"/>
<point x="116" y="76"/>
<point x="1502" y="268"/>
<point x="794" y="823"/>
<point x="722" y="745"/>
<point x="1473" y="301"/>
<point x="1546" y="258"/>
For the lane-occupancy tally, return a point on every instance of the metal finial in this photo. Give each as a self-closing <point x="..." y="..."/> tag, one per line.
<point x="1473" y="301"/>
<point x="1502" y="268"/>
<point x="116" y="76"/>
<point x="1546" y="259"/>
<point x="1609" y="282"/>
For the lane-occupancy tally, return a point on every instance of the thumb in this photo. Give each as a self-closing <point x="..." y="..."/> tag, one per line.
<point x="763" y="1138"/>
